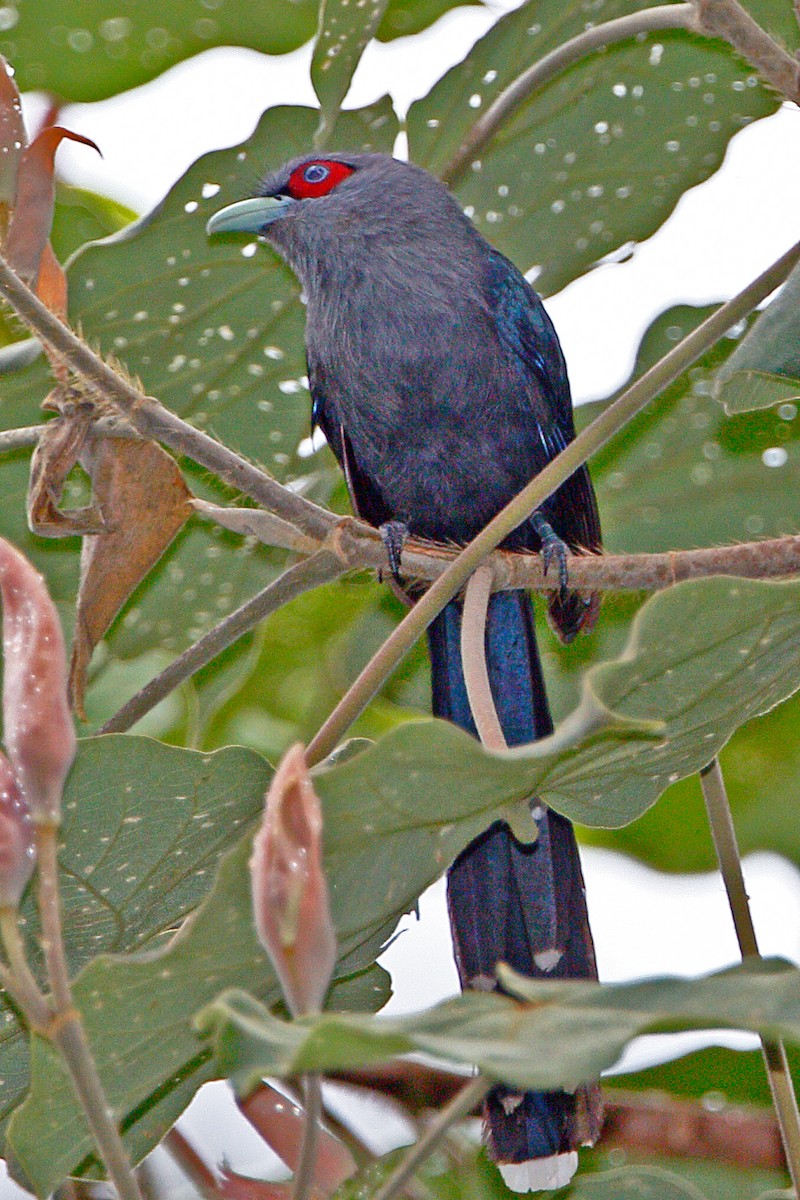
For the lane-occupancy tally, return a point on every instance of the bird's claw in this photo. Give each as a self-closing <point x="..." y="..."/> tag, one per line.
<point x="394" y="535"/>
<point x="554" y="550"/>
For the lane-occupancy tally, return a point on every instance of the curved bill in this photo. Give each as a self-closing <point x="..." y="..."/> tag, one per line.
<point x="248" y="216"/>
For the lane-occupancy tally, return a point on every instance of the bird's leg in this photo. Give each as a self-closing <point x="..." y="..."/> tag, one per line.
<point x="394" y="535"/>
<point x="554" y="550"/>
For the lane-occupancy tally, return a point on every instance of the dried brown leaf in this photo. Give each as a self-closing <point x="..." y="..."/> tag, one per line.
<point x="57" y="452"/>
<point x="144" y="502"/>
<point x="35" y="199"/>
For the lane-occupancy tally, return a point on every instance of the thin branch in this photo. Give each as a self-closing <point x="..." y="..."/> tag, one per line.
<point x="359" y="547"/>
<point x="66" y="1029"/>
<point x="724" y="834"/>
<point x="588" y="442"/>
<point x="321" y="568"/>
<point x="19" y="982"/>
<point x="312" y="1115"/>
<point x="644" y="1122"/>
<point x="649" y="20"/>
<point x="473" y="660"/>
<point x="727" y="19"/>
<point x="153" y="420"/>
<point x="459" y="1107"/>
<point x="183" y="1153"/>
<point x="20" y="439"/>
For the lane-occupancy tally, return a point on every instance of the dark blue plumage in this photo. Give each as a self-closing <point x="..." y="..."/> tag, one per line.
<point x="439" y="382"/>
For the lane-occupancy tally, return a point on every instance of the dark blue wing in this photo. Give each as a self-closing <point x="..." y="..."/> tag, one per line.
<point x="523" y="324"/>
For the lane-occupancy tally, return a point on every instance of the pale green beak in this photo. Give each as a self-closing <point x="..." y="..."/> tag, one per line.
<point x="249" y="216"/>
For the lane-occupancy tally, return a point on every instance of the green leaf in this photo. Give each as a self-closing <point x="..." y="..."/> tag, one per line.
<point x="565" y="1034"/>
<point x="703" y="658"/>
<point x="144" y="828"/>
<point x="598" y="158"/>
<point x="684" y="475"/>
<point x="345" y="29"/>
<point x="764" y="369"/>
<point x="92" y="51"/>
<point x="404" y="17"/>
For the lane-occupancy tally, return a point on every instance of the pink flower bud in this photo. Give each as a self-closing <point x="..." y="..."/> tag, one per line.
<point x="16" y="839"/>
<point x="38" y="729"/>
<point x="290" y="892"/>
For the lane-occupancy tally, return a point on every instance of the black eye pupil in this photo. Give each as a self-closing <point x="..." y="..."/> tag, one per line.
<point x="315" y="173"/>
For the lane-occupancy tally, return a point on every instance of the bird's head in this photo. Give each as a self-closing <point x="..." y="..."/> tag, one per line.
<point x="321" y="209"/>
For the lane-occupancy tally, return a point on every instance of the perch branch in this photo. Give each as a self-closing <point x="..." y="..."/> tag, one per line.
<point x="588" y="442"/>
<point x="153" y="420"/>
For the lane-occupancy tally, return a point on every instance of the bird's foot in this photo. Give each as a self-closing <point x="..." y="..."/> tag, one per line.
<point x="554" y="550"/>
<point x="394" y="535"/>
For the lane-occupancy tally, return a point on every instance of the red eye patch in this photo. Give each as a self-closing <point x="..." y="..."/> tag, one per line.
<point x="317" y="178"/>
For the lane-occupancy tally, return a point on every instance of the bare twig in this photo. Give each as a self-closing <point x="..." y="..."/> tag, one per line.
<point x="304" y="1175"/>
<point x="66" y="1029"/>
<point x="664" y="16"/>
<point x="644" y="1122"/>
<point x="459" y="1107"/>
<point x="727" y="19"/>
<point x="155" y="421"/>
<point x="321" y="568"/>
<point x="183" y="1153"/>
<point x="724" y="834"/>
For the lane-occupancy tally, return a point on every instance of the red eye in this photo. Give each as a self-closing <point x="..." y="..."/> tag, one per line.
<point x="317" y="178"/>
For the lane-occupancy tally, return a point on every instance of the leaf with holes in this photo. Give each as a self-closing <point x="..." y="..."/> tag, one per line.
<point x="600" y="156"/>
<point x="92" y="51"/>
<point x="144" y="827"/>
<point x="345" y="30"/>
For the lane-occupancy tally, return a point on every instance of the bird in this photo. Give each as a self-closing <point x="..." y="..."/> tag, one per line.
<point x="439" y="382"/>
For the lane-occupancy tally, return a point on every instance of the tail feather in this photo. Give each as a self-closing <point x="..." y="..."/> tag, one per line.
<point x="511" y="902"/>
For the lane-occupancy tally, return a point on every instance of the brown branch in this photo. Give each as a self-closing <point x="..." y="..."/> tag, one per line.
<point x="150" y="417"/>
<point x="641" y="1122"/>
<point x="727" y="19"/>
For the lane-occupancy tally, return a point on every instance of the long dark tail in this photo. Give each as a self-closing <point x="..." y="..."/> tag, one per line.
<point x="519" y="904"/>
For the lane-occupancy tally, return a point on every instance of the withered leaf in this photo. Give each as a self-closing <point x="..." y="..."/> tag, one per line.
<point x="144" y="502"/>
<point x="35" y="199"/>
<point x="56" y="454"/>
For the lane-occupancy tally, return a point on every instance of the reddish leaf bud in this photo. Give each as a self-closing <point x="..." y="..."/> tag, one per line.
<point x="16" y="839"/>
<point x="290" y="892"/>
<point x="38" y="730"/>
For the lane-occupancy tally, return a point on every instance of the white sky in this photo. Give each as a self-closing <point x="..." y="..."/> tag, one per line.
<point x="722" y="234"/>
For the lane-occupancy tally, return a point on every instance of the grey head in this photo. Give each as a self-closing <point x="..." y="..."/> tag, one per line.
<point x="333" y="216"/>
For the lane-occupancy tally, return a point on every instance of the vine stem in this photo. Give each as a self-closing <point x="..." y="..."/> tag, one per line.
<point x="588" y="442"/>
<point x="723" y="832"/>
<point x="320" y="568"/>
<point x="306" y="1164"/>
<point x="460" y="1106"/>
<point x="649" y="20"/>
<point x="66" y="1029"/>
<point x="473" y="659"/>
<point x="20" y="982"/>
